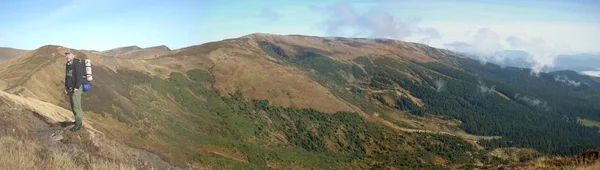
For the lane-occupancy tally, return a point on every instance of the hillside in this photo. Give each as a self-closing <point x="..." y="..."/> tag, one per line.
<point x="9" y="53"/>
<point x="135" y="52"/>
<point x="120" y="50"/>
<point x="271" y="101"/>
<point x="587" y="160"/>
<point x="34" y="136"/>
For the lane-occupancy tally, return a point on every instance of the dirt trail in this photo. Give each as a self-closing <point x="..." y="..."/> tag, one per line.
<point x="390" y="124"/>
<point x="472" y="139"/>
<point x="229" y="156"/>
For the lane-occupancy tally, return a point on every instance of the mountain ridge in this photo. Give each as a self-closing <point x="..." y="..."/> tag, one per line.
<point x="329" y="99"/>
<point x="7" y="53"/>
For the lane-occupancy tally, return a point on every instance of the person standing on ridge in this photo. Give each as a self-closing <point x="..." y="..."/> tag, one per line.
<point x="73" y="80"/>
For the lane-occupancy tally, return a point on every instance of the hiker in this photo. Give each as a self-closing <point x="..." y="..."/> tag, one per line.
<point x="73" y="80"/>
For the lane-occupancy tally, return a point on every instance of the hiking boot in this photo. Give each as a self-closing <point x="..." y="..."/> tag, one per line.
<point x="76" y="127"/>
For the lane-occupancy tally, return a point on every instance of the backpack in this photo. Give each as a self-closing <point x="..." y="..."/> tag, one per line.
<point x="87" y="85"/>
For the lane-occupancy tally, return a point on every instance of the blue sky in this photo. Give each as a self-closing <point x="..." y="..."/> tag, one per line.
<point x="543" y="26"/>
<point x="99" y="25"/>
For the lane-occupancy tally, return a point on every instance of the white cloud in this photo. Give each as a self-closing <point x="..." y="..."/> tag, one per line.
<point x="343" y="20"/>
<point x="484" y="43"/>
<point x="565" y="37"/>
<point x="485" y="89"/>
<point x="592" y="73"/>
<point x="566" y="80"/>
<point x="439" y="85"/>
<point x="530" y="100"/>
<point x="541" y="53"/>
<point x="488" y="46"/>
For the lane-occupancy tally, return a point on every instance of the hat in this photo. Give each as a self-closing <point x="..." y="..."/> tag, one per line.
<point x="68" y="51"/>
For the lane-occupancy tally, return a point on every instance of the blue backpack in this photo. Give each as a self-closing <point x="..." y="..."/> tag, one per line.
<point x="87" y="86"/>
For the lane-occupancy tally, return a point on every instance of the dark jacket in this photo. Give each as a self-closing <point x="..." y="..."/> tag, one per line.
<point x="74" y="74"/>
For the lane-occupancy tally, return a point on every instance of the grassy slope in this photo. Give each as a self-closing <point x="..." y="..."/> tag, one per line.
<point x="9" y="53"/>
<point x="255" y="134"/>
<point x="29" y="155"/>
<point x="184" y="119"/>
<point x="28" y="142"/>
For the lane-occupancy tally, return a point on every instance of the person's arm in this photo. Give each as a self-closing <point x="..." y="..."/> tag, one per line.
<point x="66" y="86"/>
<point x="78" y="72"/>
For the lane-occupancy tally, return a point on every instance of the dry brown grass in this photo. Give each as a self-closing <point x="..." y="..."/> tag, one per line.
<point x="146" y="53"/>
<point x="9" y="53"/>
<point x="259" y="78"/>
<point x="555" y="163"/>
<point x="17" y="154"/>
<point x="347" y="48"/>
<point x="514" y="154"/>
<point x="3" y="84"/>
<point x="120" y="50"/>
<point x="59" y="161"/>
<point x="594" y="166"/>
<point x="108" y="165"/>
<point x="22" y="154"/>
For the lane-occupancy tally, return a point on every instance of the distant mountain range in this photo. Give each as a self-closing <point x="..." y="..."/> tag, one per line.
<point x="585" y="63"/>
<point x="8" y="53"/>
